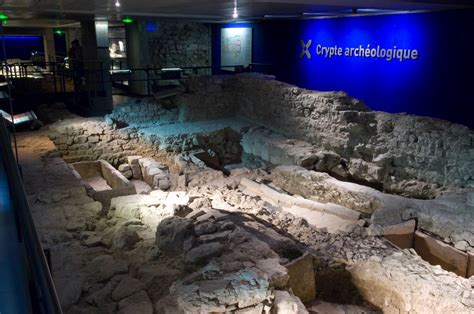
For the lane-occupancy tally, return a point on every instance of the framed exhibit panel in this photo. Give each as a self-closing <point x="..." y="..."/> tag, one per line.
<point x="236" y="47"/>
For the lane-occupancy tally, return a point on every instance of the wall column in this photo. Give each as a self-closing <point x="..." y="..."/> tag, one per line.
<point x="95" y="48"/>
<point x="49" y="48"/>
<point x="137" y="56"/>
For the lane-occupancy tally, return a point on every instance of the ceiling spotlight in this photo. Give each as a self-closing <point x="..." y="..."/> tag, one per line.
<point x="235" y="14"/>
<point x="117" y="4"/>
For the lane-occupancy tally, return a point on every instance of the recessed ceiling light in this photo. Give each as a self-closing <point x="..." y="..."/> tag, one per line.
<point x="117" y="4"/>
<point x="235" y="14"/>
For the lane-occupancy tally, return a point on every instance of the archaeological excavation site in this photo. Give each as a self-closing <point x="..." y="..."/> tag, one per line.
<point x="317" y="164"/>
<point x="247" y="195"/>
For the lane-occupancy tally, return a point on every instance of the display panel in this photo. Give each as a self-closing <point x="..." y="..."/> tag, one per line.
<point x="236" y="47"/>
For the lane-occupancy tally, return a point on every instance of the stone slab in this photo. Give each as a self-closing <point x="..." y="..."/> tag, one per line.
<point x="401" y="235"/>
<point x="332" y="223"/>
<point x="470" y="266"/>
<point x="302" y="278"/>
<point x="438" y="253"/>
<point x="264" y="191"/>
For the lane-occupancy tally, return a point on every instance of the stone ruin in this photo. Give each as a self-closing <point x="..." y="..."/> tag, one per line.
<point x="255" y="196"/>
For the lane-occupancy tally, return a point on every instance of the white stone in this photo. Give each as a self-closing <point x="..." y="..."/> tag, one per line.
<point x="285" y="303"/>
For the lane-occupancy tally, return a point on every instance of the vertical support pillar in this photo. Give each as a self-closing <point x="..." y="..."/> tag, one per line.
<point x="95" y="48"/>
<point x="137" y="56"/>
<point x="49" y="48"/>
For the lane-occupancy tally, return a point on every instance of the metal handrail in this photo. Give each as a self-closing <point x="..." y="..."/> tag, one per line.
<point x="98" y="75"/>
<point x="44" y="298"/>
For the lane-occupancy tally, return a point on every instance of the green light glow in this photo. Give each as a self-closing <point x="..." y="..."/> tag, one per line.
<point x="127" y="20"/>
<point x="3" y="16"/>
<point x="4" y="22"/>
<point x="57" y="31"/>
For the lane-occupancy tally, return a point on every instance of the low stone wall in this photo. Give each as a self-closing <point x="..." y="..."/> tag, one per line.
<point x="92" y="139"/>
<point x="206" y="97"/>
<point x="394" y="149"/>
<point x="81" y="139"/>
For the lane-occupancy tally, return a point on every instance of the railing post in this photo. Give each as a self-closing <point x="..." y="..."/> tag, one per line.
<point x="63" y="78"/>
<point x="102" y="77"/>
<point x="54" y="80"/>
<point x="148" y="79"/>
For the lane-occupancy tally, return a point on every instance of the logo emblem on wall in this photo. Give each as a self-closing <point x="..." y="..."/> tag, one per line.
<point x="305" y="49"/>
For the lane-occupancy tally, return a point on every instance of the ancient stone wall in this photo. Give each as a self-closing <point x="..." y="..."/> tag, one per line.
<point x="133" y="128"/>
<point x="206" y="97"/>
<point x="396" y="150"/>
<point x="180" y="44"/>
<point x="87" y="140"/>
<point x="140" y="111"/>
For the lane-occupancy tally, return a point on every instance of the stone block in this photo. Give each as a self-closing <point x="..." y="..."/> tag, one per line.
<point x="80" y="139"/>
<point x="470" y="265"/>
<point x="93" y="241"/>
<point x="93" y="139"/>
<point x="136" y="171"/>
<point x="164" y="184"/>
<point x="106" y="138"/>
<point x="402" y="235"/>
<point x="182" y="182"/>
<point x="285" y="303"/>
<point x="124" y="167"/>
<point x="302" y="277"/>
<point x="438" y="253"/>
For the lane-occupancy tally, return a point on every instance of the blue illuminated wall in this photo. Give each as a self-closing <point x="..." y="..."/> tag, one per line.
<point x="440" y="83"/>
<point x="21" y="47"/>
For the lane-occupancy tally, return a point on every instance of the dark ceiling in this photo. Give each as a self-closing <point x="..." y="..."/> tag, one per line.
<point x="42" y="11"/>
